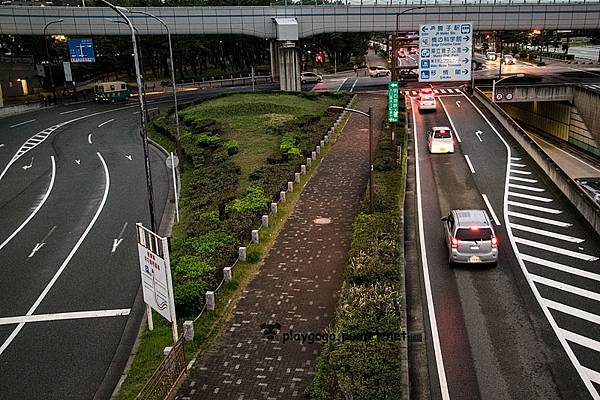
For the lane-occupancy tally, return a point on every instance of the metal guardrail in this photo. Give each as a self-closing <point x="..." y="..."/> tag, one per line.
<point x="166" y="377"/>
<point x="392" y="3"/>
<point x="581" y="200"/>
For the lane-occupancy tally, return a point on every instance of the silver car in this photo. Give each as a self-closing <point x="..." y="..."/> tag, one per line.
<point x="470" y="238"/>
<point x="310" y="77"/>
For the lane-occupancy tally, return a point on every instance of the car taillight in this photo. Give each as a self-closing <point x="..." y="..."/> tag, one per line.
<point x="494" y="242"/>
<point x="454" y="243"/>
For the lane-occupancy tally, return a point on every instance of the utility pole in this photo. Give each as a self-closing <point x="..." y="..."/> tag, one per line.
<point x="58" y="21"/>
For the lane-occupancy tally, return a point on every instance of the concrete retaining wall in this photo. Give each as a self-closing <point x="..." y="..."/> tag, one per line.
<point x="19" y="109"/>
<point x="586" y="206"/>
<point x="588" y="104"/>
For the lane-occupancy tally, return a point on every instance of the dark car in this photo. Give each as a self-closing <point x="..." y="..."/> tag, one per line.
<point x="591" y="186"/>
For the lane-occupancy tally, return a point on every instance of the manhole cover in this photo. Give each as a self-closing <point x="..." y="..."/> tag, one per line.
<point x="322" y="221"/>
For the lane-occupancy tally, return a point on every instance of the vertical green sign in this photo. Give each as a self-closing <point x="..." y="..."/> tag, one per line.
<point x="393" y="102"/>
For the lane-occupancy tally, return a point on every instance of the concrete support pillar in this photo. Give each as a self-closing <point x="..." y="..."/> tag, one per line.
<point x="274" y="50"/>
<point x="289" y="68"/>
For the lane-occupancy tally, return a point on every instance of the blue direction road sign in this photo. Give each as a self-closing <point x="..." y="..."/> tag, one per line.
<point x="81" y="50"/>
<point x="445" y="52"/>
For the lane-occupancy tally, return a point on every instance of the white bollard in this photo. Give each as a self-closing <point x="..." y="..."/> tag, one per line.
<point x="313" y="155"/>
<point x="264" y="221"/>
<point x="297" y="177"/>
<point x="242" y="254"/>
<point x="227" y="274"/>
<point x="273" y="208"/>
<point x="167" y="350"/>
<point x="255" y="236"/>
<point x="303" y="169"/>
<point x="210" y="300"/>
<point x="322" y="143"/>
<point x="290" y="186"/>
<point x="308" y="161"/>
<point x="318" y="149"/>
<point x="282" y="196"/>
<point x="188" y="330"/>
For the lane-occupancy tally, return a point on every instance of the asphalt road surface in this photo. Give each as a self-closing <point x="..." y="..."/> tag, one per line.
<point x="72" y="188"/>
<point x="528" y="328"/>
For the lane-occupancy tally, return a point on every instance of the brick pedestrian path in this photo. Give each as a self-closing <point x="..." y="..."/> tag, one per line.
<point x="296" y="287"/>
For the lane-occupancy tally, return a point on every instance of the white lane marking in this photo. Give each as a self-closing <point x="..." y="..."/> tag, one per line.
<point x="565" y="287"/>
<point x="342" y="84"/>
<point x="128" y="156"/>
<point x="458" y="103"/>
<point x="119" y="239"/>
<point x="451" y="123"/>
<point x="39" y="245"/>
<point x="515" y="158"/>
<point x="437" y="349"/>
<point x="557" y="250"/>
<point x="561" y="267"/>
<point x="22" y="123"/>
<point x="64" y="316"/>
<point x="530" y="188"/>
<point x="354" y="84"/>
<point x="583" y="70"/>
<point x="516" y="171"/>
<point x="516" y="178"/>
<point x="478" y="133"/>
<point x="58" y="273"/>
<point x="539" y="219"/>
<point x="592" y="375"/>
<point x="105" y="122"/>
<point x="39" y="206"/>
<point x="576" y="312"/>
<point x="536" y="293"/>
<point x="581" y="340"/>
<point x="72" y="111"/>
<point x="469" y="164"/>
<point x="530" y="197"/>
<point x="491" y="209"/>
<point x="90" y="138"/>
<point x="536" y="208"/>
<point x="542" y="232"/>
<point x="78" y="162"/>
<point x="414" y="92"/>
<point x="26" y="167"/>
<point x="569" y="154"/>
<point x="443" y="91"/>
<point x="1" y="144"/>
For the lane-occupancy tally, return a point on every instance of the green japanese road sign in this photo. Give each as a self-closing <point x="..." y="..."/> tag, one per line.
<point x="393" y="102"/>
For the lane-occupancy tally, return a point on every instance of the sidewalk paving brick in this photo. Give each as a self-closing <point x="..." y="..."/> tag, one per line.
<point x="298" y="284"/>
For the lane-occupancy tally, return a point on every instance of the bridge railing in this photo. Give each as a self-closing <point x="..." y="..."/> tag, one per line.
<point x="392" y="3"/>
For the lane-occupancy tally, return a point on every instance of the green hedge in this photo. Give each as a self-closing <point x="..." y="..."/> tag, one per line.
<point x="218" y="216"/>
<point x="363" y="362"/>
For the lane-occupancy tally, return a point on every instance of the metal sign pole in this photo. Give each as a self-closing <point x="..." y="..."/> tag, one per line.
<point x="175" y="188"/>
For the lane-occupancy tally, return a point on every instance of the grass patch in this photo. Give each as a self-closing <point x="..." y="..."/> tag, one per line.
<point x="366" y="362"/>
<point x="201" y="256"/>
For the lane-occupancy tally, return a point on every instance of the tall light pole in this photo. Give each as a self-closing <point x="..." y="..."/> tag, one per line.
<point x="172" y="65"/>
<point x="370" y="116"/>
<point x="494" y="82"/>
<point x="119" y="10"/>
<point x="58" y="21"/>
<point x="394" y="60"/>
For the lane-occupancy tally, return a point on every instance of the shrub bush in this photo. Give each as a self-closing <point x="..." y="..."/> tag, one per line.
<point x="232" y="147"/>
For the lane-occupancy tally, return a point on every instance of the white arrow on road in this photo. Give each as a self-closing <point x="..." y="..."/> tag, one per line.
<point x="119" y="239"/>
<point x="78" y="162"/>
<point x="26" y="167"/>
<point x="479" y="137"/>
<point x="458" y="103"/>
<point x="128" y="156"/>
<point x="39" y="245"/>
<point x="1" y="144"/>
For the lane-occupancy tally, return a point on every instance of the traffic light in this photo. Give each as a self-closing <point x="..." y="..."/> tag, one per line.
<point x="399" y="52"/>
<point x="319" y="57"/>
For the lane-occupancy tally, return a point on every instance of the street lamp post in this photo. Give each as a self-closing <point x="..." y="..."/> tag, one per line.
<point x="58" y="21"/>
<point x="494" y="82"/>
<point x="370" y="116"/>
<point x="394" y="59"/>
<point x="172" y="65"/>
<point x="119" y="10"/>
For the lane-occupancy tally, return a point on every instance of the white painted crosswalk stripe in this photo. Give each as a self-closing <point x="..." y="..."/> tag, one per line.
<point x="516" y="178"/>
<point x="539" y="219"/>
<point x="523" y="187"/>
<point x="532" y="207"/>
<point x="565" y="287"/>
<point x="581" y="340"/>
<point x="517" y="165"/>
<point x="530" y="197"/>
<point x="414" y="92"/>
<point x="576" y="312"/>
<point x="515" y="158"/>
<point x="557" y="250"/>
<point x="542" y="232"/>
<point x="516" y="171"/>
<point x="443" y="91"/>
<point x="561" y="267"/>
<point x="436" y="91"/>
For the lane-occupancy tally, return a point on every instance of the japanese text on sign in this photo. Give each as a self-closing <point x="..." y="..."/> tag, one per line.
<point x="445" y="52"/>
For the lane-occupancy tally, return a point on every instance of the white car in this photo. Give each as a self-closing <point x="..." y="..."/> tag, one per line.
<point x="310" y="77"/>
<point x="427" y="103"/>
<point x="440" y="139"/>
<point x="378" y="71"/>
